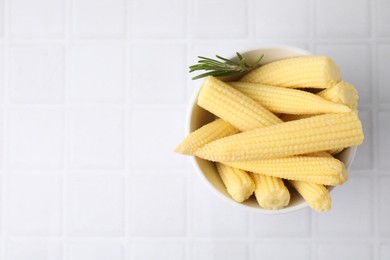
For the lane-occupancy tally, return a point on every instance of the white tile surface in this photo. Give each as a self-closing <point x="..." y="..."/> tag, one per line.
<point x="210" y="250"/>
<point x="213" y="217"/>
<point x="152" y="217"/>
<point x="382" y="17"/>
<point x="268" y="23"/>
<point x="281" y="225"/>
<point x="37" y="73"/>
<point x="96" y="138"/>
<point x="336" y="251"/>
<point x="151" y="145"/>
<point x="35" y="138"/>
<point x="105" y="19"/>
<point x="38" y="18"/>
<point x="207" y="25"/>
<point x="33" y="205"/>
<point x="383" y="65"/>
<point x="384" y="252"/>
<point x="93" y="97"/>
<point x="1" y="139"/>
<point x="97" y="250"/>
<point x="97" y="73"/>
<point x="351" y="214"/>
<point x="383" y="140"/>
<point x="275" y="251"/>
<point x="95" y="206"/>
<point x="349" y="24"/>
<point x="156" y="249"/>
<point x="166" y="84"/>
<point x="2" y="69"/>
<point x="354" y="68"/>
<point x="364" y="155"/>
<point x="35" y="249"/>
<point x="2" y="18"/>
<point x="384" y="208"/>
<point x="165" y="19"/>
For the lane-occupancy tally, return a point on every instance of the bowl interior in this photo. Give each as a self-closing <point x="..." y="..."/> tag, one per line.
<point x="198" y="117"/>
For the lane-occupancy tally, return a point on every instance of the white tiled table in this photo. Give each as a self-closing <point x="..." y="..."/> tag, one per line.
<point x="93" y="97"/>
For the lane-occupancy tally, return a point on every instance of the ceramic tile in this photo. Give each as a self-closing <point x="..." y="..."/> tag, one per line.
<point x="167" y="19"/>
<point x="383" y="65"/>
<point x="213" y="217"/>
<point x="217" y="250"/>
<point x="343" y="22"/>
<point x="351" y="211"/>
<point x="33" y="205"/>
<point x="336" y="251"/>
<point x="97" y="73"/>
<point x="160" y="249"/>
<point x="383" y="206"/>
<point x="35" y="138"/>
<point x="105" y="19"/>
<point x="208" y="21"/>
<point x="101" y="250"/>
<point x="151" y="216"/>
<point x="33" y="249"/>
<point x="290" y="21"/>
<point x="96" y="138"/>
<point x="37" y="74"/>
<point x="162" y="84"/>
<point x="38" y="18"/>
<point x="383" y="140"/>
<point x="95" y="206"/>
<point x="153" y="147"/>
<point x="382" y="18"/>
<point x="280" y="225"/>
<point x="290" y="250"/>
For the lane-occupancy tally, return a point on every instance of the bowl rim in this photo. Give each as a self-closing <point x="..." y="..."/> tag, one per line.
<point x="193" y="101"/>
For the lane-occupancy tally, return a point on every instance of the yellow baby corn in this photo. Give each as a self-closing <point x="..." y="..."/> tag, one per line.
<point x="204" y="135"/>
<point x="288" y="101"/>
<point x="270" y="192"/>
<point x="314" y="134"/>
<point x="319" y="154"/>
<point x="320" y="170"/>
<point x="316" y="195"/>
<point x="342" y="93"/>
<point x="237" y="182"/>
<point x="233" y="106"/>
<point x="297" y="72"/>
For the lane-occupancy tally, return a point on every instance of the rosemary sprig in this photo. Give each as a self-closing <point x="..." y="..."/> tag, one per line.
<point x="223" y="67"/>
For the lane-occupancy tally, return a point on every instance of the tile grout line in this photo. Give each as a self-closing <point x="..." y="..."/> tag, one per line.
<point x="67" y="141"/>
<point x="127" y="134"/>
<point x="5" y="132"/>
<point x="189" y="195"/>
<point x="374" y="132"/>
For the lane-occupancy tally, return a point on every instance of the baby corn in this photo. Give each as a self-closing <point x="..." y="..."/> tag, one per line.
<point x="320" y="170"/>
<point x="238" y="183"/>
<point x="204" y="135"/>
<point x="288" y="101"/>
<point x="316" y="195"/>
<point x="342" y="93"/>
<point x="233" y="106"/>
<point x="314" y="134"/>
<point x="297" y="72"/>
<point x="270" y="192"/>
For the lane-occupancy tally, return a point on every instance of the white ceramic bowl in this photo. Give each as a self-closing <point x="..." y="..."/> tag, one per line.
<point x="197" y="117"/>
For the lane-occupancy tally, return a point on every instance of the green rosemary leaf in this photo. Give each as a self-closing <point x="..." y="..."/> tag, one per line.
<point x="222" y="67"/>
